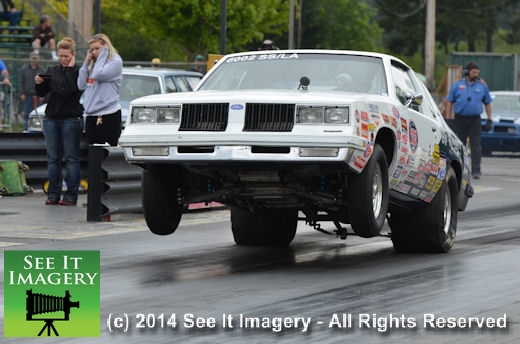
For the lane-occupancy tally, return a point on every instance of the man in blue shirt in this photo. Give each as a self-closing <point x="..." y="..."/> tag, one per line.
<point x="465" y="98"/>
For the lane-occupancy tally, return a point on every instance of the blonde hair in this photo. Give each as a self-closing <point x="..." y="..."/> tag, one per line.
<point x="101" y="37"/>
<point x="67" y="43"/>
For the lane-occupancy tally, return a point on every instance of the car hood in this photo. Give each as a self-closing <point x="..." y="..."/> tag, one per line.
<point x="504" y="116"/>
<point x="260" y="96"/>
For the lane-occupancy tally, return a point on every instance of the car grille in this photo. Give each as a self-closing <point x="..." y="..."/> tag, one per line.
<point x="269" y="117"/>
<point x="204" y="117"/>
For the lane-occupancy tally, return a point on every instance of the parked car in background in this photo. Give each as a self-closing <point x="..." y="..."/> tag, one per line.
<point x="504" y="135"/>
<point x="138" y="82"/>
<point x="348" y="137"/>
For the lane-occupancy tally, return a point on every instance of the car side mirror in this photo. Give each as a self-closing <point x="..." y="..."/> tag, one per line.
<point x="414" y="99"/>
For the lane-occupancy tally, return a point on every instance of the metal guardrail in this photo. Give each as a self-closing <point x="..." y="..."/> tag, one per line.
<point x="113" y="184"/>
<point x="30" y="148"/>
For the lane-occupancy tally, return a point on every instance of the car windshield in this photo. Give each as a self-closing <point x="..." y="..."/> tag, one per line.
<point x="135" y="86"/>
<point x="507" y="103"/>
<point x="325" y="72"/>
<point x="193" y="81"/>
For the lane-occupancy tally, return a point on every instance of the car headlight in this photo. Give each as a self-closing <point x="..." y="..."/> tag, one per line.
<point x="336" y="115"/>
<point x="143" y="115"/>
<point x="310" y="114"/>
<point x="169" y="115"/>
<point x="322" y="114"/>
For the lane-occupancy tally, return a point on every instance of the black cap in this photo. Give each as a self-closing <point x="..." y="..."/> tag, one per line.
<point x="471" y="65"/>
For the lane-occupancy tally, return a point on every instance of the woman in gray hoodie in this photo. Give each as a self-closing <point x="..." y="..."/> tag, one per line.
<point x="100" y="79"/>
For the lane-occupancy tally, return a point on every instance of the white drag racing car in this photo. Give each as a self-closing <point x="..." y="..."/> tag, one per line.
<point x="344" y="136"/>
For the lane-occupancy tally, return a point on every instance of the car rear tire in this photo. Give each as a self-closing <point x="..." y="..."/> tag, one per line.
<point x="432" y="229"/>
<point x="268" y="227"/>
<point x="159" y="199"/>
<point x="368" y="196"/>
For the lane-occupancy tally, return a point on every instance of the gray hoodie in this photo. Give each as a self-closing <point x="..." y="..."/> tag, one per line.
<point x="101" y="86"/>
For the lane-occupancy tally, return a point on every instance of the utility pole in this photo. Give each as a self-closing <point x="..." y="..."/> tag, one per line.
<point x="223" y="26"/>
<point x="300" y="14"/>
<point x="97" y="16"/>
<point x="80" y="16"/>
<point x="429" y="44"/>
<point x="291" y="25"/>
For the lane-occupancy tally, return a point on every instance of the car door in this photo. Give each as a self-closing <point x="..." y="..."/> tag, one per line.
<point x="420" y="169"/>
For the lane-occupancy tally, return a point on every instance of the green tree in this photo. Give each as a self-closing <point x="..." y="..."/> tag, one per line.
<point x="511" y="17"/>
<point x="182" y="29"/>
<point x="403" y="22"/>
<point x="464" y="24"/>
<point x="339" y="24"/>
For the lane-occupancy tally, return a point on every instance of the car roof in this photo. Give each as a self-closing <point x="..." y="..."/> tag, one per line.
<point x="158" y="71"/>
<point x="320" y="51"/>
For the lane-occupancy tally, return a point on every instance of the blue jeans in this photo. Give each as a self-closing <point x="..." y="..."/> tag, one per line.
<point x="13" y="18"/>
<point x="62" y="138"/>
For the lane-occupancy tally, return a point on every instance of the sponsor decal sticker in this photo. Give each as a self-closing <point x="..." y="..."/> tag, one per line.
<point x="395" y="111"/>
<point x="364" y="130"/>
<point x="392" y="121"/>
<point x="405" y="188"/>
<point x="431" y="181"/>
<point x="373" y="108"/>
<point x="414" y="137"/>
<point x="273" y="56"/>
<point x="404" y="126"/>
<point x="397" y="172"/>
<point x="368" y="150"/>
<point x="360" y="162"/>
<point x="404" y="139"/>
<point x="437" y="185"/>
<point x="414" y="192"/>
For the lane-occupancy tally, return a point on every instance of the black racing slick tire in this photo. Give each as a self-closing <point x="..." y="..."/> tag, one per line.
<point x="159" y="199"/>
<point x="368" y="196"/>
<point x="268" y="227"/>
<point x="433" y="229"/>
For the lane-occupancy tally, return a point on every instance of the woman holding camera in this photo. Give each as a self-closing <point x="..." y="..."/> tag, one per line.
<point x="63" y="123"/>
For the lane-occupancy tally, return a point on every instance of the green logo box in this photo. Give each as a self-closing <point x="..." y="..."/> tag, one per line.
<point x="51" y="293"/>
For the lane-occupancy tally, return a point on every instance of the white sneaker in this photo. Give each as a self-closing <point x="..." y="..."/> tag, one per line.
<point x="54" y="56"/>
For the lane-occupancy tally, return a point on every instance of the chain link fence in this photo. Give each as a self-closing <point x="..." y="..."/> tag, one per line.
<point x="6" y="108"/>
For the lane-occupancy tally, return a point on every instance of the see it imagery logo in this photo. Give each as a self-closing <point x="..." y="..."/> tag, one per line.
<point x="51" y="293"/>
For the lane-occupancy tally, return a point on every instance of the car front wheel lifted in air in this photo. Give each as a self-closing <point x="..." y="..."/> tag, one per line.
<point x="159" y="199"/>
